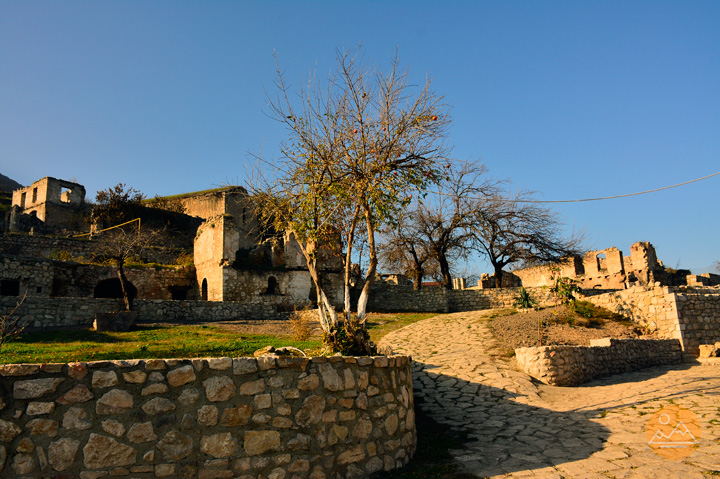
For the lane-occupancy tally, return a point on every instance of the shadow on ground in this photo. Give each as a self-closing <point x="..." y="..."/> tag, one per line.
<point x="495" y="433"/>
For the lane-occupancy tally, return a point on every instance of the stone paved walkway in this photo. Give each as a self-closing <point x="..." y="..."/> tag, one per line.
<point x="518" y="428"/>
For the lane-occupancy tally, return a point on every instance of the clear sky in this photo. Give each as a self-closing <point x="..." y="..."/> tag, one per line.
<point x="570" y="99"/>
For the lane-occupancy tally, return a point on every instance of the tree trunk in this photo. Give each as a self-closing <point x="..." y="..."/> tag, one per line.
<point x="444" y="270"/>
<point x="498" y="276"/>
<point x="417" y="279"/>
<point x="322" y="298"/>
<point x="372" y="268"/>
<point x="348" y="264"/>
<point x="123" y="286"/>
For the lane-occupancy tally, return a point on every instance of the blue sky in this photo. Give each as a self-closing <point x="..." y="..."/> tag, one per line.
<point x="569" y="99"/>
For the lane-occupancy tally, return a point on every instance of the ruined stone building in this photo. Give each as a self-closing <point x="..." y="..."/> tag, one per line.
<point x="231" y="260"/>
<point x="48" y="204"/>
<point x="605" y="269"/>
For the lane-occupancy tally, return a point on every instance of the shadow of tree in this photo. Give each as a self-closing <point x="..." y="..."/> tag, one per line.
<point x="504" y="434"/>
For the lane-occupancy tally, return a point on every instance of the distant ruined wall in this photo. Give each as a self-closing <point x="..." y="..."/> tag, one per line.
<point x="601" y="269"/>
<point x="394" y="298"/>
<point x="211" y="418"/>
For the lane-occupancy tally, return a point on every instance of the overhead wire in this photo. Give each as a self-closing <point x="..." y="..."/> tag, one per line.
<point x="587" y="199"/>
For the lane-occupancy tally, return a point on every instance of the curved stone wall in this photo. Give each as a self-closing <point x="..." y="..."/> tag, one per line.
<point x="268" y="417"/>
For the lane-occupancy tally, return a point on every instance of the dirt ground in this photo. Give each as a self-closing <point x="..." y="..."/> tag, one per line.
<point x="521" y="329"/>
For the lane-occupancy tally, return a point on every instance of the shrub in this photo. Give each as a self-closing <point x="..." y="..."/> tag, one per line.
<point x="524" y="300"/>
<point x="300" y="324"/>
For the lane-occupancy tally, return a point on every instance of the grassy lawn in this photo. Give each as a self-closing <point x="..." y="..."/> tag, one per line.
<point x="144" y="342"/>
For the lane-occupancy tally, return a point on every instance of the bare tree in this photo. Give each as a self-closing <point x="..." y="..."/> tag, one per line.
<point x="512" y="231"/>
<point x="402" y="249"/>
<point x="439" y="228"/>
<point x="118" y="246"/>
<point x="356" y="150"/>
<point x="10" y="324"/>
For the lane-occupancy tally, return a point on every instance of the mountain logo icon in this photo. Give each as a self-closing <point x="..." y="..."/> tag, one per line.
<point x="673" y="432"/>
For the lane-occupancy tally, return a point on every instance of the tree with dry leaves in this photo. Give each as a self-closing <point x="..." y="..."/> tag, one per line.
<point x="358" y="147"/>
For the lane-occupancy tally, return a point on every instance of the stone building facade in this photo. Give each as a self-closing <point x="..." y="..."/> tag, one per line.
<point x="231" y="259"/>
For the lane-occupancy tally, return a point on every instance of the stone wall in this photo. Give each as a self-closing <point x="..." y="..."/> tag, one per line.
<point x="207" y="418"/>
<point x="574" y="365"/>
<point x="394" y="298"/>
<point x="70" y="313"/>
<point x="691" y="315"/>
<point x="56" y="247"/>
<point x="53" y="278"/>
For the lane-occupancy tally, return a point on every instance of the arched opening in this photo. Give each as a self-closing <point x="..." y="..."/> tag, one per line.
<point x="272" y="286"/>
<point x="111" y="288"/>
<point x="203" y="290"/>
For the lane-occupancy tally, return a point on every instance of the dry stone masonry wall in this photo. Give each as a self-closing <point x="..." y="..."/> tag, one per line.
<point x="71" y="313"/>
<point x="248" y="418"/>
<point x="392" y="298"/>
<point x="691" y="315"/>
<point x="574" y="365"/>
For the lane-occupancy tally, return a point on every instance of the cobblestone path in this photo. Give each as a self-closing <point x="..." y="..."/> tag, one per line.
<point x="518" y="428"/>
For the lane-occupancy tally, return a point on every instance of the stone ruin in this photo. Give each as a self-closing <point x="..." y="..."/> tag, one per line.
<point x="48" y="205"/>
<point x="231" y="261"/>
<point x="605" y="269"/>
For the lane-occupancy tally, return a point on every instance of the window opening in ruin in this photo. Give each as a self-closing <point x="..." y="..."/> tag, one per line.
<point x="272" y="285"/>
<point x="244" y="220"/>
<point x="34" y="198"/>
<point x="601" y="264"/>
<point x="23" y="197"/>
<point x="178" y="293"/>
<point x="204" y="289"/>
<point x="9" y="287"/>
<point x="65" y="195"/>
<point x="38" y="289"/>
<point x="111" y="288"/>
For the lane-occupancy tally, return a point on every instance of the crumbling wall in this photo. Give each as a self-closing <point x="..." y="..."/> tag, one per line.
<point x="53" y="201"/>
<point x="601" y="269"/>
<point x="51" y="278"/>
<point x="208" y="418"/>
<point x="71" y="249"/>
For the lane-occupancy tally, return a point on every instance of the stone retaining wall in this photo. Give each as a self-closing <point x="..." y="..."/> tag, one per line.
<point x="70" y="313"/>
<point x="247" y="418"/>
<point x="689" y="314"/>
<point x="573" y="365"/>
<point x="393" y="298"/>
<point x="55" y="247"/>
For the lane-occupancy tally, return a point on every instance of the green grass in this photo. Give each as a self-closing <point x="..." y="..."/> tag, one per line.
<point x="144" y="342"/>
<point x="380" y="324"/>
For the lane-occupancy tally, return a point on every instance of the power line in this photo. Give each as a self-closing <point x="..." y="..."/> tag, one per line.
<point x="591" y="199"/>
